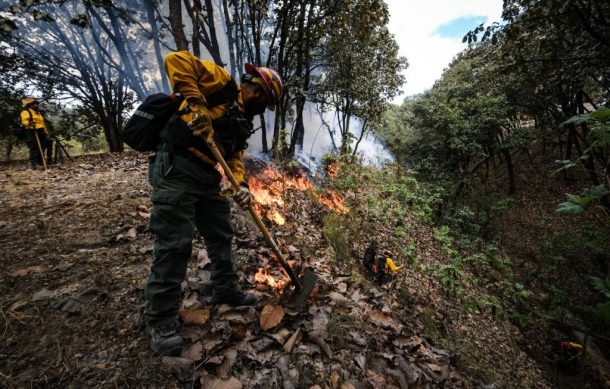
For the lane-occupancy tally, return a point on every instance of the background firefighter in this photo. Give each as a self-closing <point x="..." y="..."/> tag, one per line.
<point x="36" y="132"/>
<point x="186" y="185"/>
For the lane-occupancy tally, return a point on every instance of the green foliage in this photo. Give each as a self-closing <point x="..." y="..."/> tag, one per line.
<point x="465" y="220"/>
<point x="564" y="164"/>
<point x="602" y="285"/>
<point x="361" y="68"/>
<point x="577" y="204"/>
<point x="443" y="236"/>
<point x="409" y="252"/>
<point x="450" y="276"/>
<point x="598" y="137"/>
<point x="484" y="302"/>
<point x="10" y="106"/>
<point x="447" y="133"/>
<point x="502" y="205"/>
<point x="337" y="233"/>
<point x="601" y="115"/>
<point x="393" y="193"/>
<point x="520" y="293"/>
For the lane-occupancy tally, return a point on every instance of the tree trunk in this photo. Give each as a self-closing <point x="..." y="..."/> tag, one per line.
<point x="177" y="28"/>
<point x="298" y="127"/>
<point x="264" y="134"/>
<point x="362" y="133"/>
<point x="511" y="173"/>
<point x="232" y="53"/>
<point x="280" y="122"/>
<point x="194" y="13"/>
<point x="237" y="40"/>
<point x="211" y="43"/>
<point x="150" y="12"/>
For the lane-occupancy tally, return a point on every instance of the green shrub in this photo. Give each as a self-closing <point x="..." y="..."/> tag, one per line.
<point x="337" y="234"/>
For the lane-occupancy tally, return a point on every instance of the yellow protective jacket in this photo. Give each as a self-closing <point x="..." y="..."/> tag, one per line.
<point x="33" y="120"/>
<point x="194" y="78"/>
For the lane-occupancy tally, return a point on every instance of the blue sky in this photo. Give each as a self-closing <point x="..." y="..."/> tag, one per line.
<point x="457" y="28"/>
<point x="429" y="33"/>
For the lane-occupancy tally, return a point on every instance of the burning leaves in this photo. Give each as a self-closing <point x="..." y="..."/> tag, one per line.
<point x="333" y="201"/>
<point x="269" y="187"/>
<point x="263" y="277"/>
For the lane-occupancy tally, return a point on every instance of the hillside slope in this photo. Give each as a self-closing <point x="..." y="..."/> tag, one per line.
<point x="76" y="252"/>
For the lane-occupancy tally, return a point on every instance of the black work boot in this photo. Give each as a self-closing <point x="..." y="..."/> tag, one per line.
<point x="164" y="338"/>
<point x="236" y="299"/>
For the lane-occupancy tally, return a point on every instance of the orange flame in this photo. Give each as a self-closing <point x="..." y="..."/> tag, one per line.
<point x="268" y="188"/>
<point x="264" y="195"/>
<point x="263" y="277"/>
<point x="334" y="201"/>
<point x="301" y="183"/>
<point x="276" y="217"/>
<point x="332" y="169"/>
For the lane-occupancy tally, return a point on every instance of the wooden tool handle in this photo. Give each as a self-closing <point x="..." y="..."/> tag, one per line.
<point x="42" y="156"/>
<point x="257" y="219"/>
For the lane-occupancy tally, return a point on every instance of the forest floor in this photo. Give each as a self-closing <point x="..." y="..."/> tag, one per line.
<point x="553" y="258"/>
<point x="75" y="253"/>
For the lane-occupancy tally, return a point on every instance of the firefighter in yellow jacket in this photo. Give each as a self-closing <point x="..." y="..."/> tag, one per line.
<point x="36" y="132"/>
<point x="186" y="185"/>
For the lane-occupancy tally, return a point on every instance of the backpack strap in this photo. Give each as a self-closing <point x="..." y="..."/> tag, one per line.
<point x="227" y="95"/>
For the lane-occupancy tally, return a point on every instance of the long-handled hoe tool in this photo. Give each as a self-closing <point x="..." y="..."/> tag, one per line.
<point x="42" y="156"/>
<point x="302" y="288"/>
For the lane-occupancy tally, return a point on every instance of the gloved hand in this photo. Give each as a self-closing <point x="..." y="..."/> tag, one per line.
<point x="243" y="197"/>
<point x="202" y="123"/>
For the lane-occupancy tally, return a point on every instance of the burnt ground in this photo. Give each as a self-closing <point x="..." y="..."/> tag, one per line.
<point x="75" y="253"/>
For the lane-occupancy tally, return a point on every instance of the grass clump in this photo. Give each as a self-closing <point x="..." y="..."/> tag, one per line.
<point x="337" y="234"/>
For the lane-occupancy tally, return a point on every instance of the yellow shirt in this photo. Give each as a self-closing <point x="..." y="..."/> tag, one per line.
<point x="195" y="78"/>
<point x="33" y="122"/>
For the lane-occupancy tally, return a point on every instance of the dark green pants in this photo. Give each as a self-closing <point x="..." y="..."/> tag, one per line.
<point x="30" y="140"/>
<point x="186" y="196"/>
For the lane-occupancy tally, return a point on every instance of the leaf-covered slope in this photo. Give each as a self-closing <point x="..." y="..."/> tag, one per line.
<point x="73" y="319"/>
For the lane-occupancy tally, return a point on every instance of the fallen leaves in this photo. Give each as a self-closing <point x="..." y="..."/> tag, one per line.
<point x="79" y="302"/>
<point x="230" y="358"/>
<point x="128" y="234"/>
<point x="143" y="212"/>
<point x="194" y="317"/>
<point x="292" y="341"/>
<point x="281" y="335"/>
<point x="384" y="320"/>
<point x="27" y="271"/>
<point x="339" y="299"/>
<point x="193" y="351"/>
<point x="271" y="316"/>
<point x="244" y="344"/>
<point x="210" y="382"/>
<point x="179" y="366"/>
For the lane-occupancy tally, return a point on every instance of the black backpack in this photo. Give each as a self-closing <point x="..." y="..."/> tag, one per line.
<point x="142" y="130"/>
<point x="150" y="121"/>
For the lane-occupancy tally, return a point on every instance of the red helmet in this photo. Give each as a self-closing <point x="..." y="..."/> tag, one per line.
<point x="270" y="81"/>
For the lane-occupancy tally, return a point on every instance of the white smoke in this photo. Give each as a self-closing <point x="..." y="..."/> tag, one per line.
<point x="317" y="140"/>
